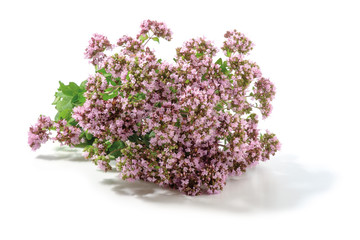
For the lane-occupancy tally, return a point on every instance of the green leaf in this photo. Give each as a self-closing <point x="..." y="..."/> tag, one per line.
<point x="152" y="134"/>
<point x="117" y="145"/>
<point x="64" y="104"/>
<point x="82" y="99"/>
<point x="74" y="87"/>
<point x="72" y="121"/>
<point x="69" y="90"/>
<point x="108" y="144"/>
<point x="199" y="55"/>
<point x="122" y="144"/>
<point x="158" y="104"/>
<point x="102" y="71"/>
<point x="83" y="86"/>
<point x="219" y="61"/>
<point x="228" y="53"/>
<point x="88" y="136"/>
<point x="224" y="67"/>
<point x="172" y="89"/>
<point x="187" y="81"/>
<point x="109" y="80"/>
<point x="110" y="96"/>
<point x="156" y="39"/>
<point x="140" y="96"/>
<point x="57" y="116"/>
<point x="107" y="75"/>
<point x="219" y="107"/>
<point x="65" y="114"/>
<point x="134" y="138"/>
<point x="75" y="99"/>
<point x="143" y="37"/>
<point x="178" y="124"/>
<point x="65" y="89"/>
<point x="116" y="154"/>
<point x="159" y="60"/>
<point x="57" y="99"/>
<point x="60" y="94"/>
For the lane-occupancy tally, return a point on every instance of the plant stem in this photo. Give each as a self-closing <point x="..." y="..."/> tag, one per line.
<point x="148" y="39"/>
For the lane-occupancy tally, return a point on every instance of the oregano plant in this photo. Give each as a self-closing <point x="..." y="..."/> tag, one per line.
<point x="186" y="125"/>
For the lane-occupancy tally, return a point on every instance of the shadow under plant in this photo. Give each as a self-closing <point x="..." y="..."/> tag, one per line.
<point x="283" y="184"/>
<point x="64" y="153"/>
<point x="279" y="184"/>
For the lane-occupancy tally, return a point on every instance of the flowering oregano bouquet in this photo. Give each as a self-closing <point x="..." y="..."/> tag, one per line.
<point x="186" y="125"/>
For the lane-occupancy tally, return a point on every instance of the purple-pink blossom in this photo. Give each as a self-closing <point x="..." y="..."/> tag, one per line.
<point x="187" y="125"/>
<point x="97" y="45"/>
<point x="158" y="29"/>
<point x="236" y="42"/>
<point x="40" y="132"/>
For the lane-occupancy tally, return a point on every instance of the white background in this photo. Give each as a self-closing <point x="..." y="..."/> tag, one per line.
<point x="310" y="190"/>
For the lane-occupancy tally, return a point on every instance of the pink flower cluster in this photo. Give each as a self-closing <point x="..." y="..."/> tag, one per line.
<point x="67" y="135"/>
<point x="236" y="42"/>
<point x="40" y="133"/>
<point x="159" y="29"/>
<point x="270" y="145"/>
<point x="97" y="45"/>
<point x="131" y="46"/>
<point x="264" y="92"/>
<point x="186" y="125"/>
